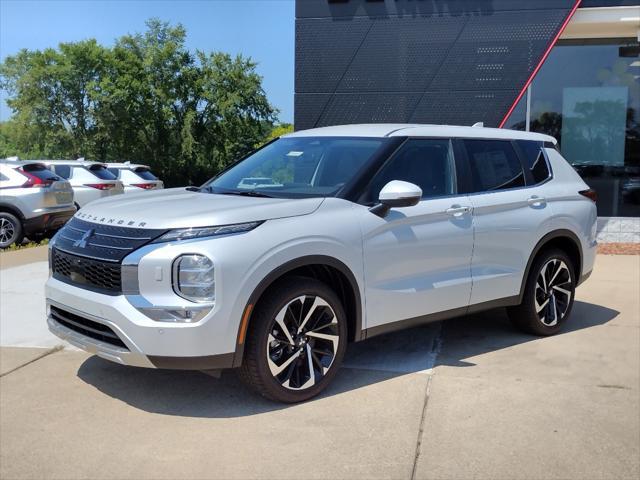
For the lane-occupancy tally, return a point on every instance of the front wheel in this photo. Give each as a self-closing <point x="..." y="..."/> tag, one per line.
<point x="548" y="296"/>
<point x="296" y="341"/>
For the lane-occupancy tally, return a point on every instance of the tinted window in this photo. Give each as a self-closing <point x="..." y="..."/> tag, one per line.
<point x="145" y="174"/>
<point x="426" y="163"/>
<point x="40" y="171"/>
<point x="535" y="160"/>
<point x="63" y="170"/>
<point x="115" y="171"/>
<point x="101" y="172"/>
<point x="494" y="165"/>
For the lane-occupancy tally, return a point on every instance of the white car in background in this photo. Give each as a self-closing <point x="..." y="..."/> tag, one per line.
<point x="90" y="180"/>
<point x="135" y="177"/>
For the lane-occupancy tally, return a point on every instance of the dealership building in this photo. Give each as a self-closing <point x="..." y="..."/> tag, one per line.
<point x="567" y="68"/>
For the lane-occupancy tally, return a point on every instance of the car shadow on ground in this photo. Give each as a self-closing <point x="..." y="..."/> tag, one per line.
<point x="451" y="343"/>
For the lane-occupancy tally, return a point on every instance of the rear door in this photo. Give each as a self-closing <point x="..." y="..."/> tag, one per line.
<point x="510" y="214"/>
<point x="417" y="260"/>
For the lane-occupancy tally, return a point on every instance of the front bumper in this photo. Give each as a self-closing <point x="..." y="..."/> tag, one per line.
<point x="147" y="343"/>
<point x="49" y="220"/>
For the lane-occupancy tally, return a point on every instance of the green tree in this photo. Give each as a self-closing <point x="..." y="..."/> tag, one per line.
<point x="146" y="99"/>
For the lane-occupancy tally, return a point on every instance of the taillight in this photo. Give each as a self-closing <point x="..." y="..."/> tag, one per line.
<point x="101" y="186"/>
<point x="146" y="186"/>
<point x="591" y="194"/>
<point x="33" y="181"/>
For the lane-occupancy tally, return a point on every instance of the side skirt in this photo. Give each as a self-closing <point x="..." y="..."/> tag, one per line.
<point x="438" y="316"/>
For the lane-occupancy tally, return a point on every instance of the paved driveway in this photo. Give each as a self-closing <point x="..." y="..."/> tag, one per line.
<point x="468" y="398"/>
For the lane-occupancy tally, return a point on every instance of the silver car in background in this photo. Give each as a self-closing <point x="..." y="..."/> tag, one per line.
<point x="33" y="201"/>
<point x="135" y="177"/>
<point x="90" y="180"/>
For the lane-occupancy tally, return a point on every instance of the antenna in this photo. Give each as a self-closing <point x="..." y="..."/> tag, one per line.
<point x="478" y="125"/>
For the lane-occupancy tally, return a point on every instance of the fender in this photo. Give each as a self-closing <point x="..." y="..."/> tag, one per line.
<point x="282" y="270"/>
<point x="562" y="233"/>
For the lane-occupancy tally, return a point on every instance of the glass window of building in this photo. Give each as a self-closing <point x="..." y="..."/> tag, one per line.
<point x="587" y="95"/>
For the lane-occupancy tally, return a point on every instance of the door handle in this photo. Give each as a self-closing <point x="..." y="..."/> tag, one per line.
<point x="457" y="210"/>
<point x="536" y="201"/>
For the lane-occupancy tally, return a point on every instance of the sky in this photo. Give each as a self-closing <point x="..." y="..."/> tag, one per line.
<point x="260" y="29"/>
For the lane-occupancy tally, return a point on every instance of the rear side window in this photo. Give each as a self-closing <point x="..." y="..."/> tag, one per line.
<point x="145" y="174"/>
<point x="535" y="160"/>
<point x="427" y="163"/>
<point x="494" y="165"/>
<point x="101" y="172"/>
<point x="63" y="170"/>
<point x="40" y="171"/>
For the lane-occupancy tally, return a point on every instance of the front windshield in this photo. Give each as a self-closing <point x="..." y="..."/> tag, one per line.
<point x="298" y="167"/>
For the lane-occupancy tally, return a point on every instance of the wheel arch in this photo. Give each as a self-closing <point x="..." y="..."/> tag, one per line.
<point x="7" y="208"/>
<point x="330" y="271"/>
<point x="565" y="240"/>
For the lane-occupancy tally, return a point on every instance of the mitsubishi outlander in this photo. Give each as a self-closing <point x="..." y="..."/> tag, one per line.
<point x="320" y="238"/>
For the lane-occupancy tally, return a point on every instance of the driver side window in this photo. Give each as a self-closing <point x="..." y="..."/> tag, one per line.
<point x="427" y="163"/>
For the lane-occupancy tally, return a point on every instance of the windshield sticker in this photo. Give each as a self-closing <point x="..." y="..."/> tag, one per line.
<point x="293" y="153"/>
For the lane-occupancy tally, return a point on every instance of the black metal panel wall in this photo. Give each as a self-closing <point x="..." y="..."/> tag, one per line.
<point x="419" y="61"/>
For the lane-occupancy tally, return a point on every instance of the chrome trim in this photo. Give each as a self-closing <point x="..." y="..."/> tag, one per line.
<point x="104" y="350"/>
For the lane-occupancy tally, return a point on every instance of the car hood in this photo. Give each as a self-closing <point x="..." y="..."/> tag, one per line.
<point x="181" y="208"/>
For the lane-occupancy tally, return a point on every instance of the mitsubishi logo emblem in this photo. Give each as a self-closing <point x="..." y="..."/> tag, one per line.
<point x="82" y="241"/>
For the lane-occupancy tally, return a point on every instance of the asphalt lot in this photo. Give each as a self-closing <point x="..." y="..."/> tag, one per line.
<point x="467" y="398"/>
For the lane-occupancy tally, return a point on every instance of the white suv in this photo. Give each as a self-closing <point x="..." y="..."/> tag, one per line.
<point x="361" y="230"/>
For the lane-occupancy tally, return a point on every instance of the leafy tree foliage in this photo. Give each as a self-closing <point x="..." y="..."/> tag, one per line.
<point x="146" y="99"/>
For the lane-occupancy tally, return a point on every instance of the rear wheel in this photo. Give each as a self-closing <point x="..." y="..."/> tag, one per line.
<point x="548" y="296"/>
<point x="296" y="341"/>
<point x="10" y="230"/>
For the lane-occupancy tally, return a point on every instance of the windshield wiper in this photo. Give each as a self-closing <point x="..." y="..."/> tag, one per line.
<point x="247" y="193"/>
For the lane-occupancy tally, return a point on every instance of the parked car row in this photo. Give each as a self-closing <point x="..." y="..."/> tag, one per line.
<point x="38" y="197"/>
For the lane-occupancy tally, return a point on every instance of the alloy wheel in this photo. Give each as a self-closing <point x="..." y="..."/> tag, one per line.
<point x="303" y="342"/>
<point x="7" y="231"/>
<point x="553" y="292"/>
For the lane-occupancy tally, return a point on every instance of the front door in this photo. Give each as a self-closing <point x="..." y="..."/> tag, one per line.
<point x="417" y="260"/>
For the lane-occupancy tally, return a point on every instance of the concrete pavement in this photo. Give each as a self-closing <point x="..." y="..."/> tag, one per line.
<point x="468" y="398"/>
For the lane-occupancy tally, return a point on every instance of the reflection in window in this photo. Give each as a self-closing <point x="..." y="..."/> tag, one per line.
<point x="494" y="165"/>
<point x="425" y="163"/>
<point x="587" y="96"/>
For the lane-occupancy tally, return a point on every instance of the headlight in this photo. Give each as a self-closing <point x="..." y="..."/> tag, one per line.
<point x="199" y="232"/>
<point x="194" y="279"/>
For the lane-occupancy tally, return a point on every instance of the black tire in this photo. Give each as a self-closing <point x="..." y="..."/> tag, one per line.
<point x="10" y="230"/>
<point x="256" y="370"/>
<point x="540" y="312"/>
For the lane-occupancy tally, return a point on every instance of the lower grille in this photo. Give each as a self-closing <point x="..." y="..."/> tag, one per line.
<point x="86" y="327"/>
<point x="85" y="272"/>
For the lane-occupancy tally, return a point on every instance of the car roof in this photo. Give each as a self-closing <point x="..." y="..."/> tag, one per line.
<point x="20" y="163"/>
<point x="377" y="130"/>
<point x="126" y="165"/>
<point x="82" y="163"/>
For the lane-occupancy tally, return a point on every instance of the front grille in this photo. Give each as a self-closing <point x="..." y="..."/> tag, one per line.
<point x="86" y="327"/>
<point x="104" y="277"/>
<point x="88" y="255"/>
<point x="110" y="243"/>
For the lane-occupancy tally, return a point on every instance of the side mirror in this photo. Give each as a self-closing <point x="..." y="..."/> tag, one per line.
<point x="397" y="194"/>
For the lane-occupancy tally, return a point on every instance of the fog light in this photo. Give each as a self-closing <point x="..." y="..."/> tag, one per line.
<point x="194" y="278"/>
